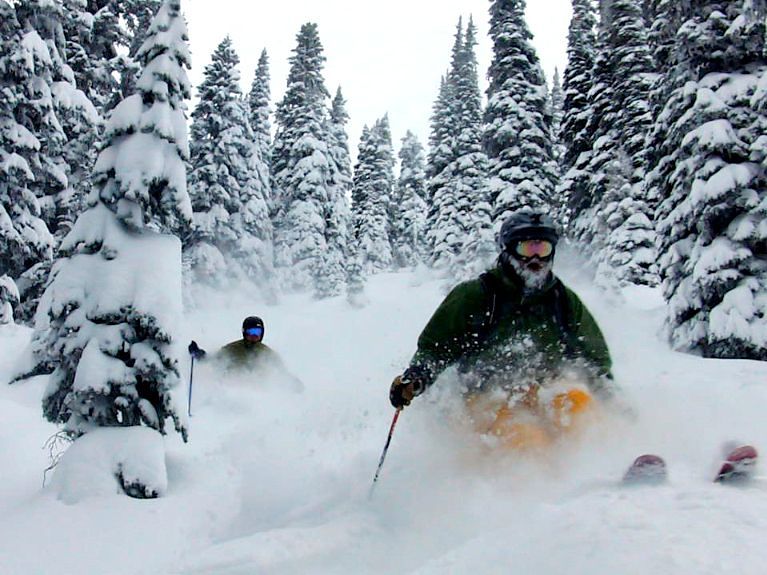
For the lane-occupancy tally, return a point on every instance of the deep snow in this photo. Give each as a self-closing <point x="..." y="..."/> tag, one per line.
<point x="274" y="482"/>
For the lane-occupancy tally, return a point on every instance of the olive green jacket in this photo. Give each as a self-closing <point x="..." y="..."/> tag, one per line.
<point x="242" y="354"/>
<point x="256" y="357"/>
<point x="530" y="337"/>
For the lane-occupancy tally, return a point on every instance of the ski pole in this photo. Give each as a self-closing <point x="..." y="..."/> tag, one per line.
<point x="191" y="375"/>
<point x="385" y="450"/>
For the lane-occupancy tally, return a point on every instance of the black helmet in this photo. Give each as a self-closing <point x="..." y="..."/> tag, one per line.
<point x="252" y="321"/>
<point x="527" y="225"/>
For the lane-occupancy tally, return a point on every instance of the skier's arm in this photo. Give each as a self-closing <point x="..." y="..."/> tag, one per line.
<point x="450" y="332"/>
<point x="591" y="346"/>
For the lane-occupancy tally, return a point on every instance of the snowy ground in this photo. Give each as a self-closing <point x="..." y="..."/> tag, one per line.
<point x="276" y="483"/>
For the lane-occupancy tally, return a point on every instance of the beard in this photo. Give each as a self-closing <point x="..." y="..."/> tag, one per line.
<point x="534" y="273"/>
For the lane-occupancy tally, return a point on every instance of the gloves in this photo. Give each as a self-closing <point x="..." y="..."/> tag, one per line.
<point x="410" y="384"/>
<point x="195" y="351"/>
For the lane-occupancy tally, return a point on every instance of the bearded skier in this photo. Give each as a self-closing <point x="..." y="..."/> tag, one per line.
<point x="513" y="333"/>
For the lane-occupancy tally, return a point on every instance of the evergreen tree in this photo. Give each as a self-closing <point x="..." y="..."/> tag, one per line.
<point x="441" y="155"/>
<point x="232" y="225"/>
<point x="24" y="237"/>
<point x="581" y="54"/>
<point x="461" y="214"/>
<point x="109" y="317"/>
<point x="301" y="165"/>
<point x="355" y="279"/>
<point x="614" y="219"/>
<point x="337" y="212"/>
<point x="62" y="124"/>
<point x="373" y="183"/>
<point x="95" y="36"/>
<point x="517" y="137"/>
<point x="9" y="296"/>
<point x="470" y="166"/>
<point x="136" y="14"/>
<point x="710" y="176"/>
<point x="556" y="105"/>
<point x="410" y="247"/>
<point x="259" y="102"/>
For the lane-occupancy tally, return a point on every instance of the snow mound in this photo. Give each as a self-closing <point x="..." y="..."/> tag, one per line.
<point x="110" y="461"/>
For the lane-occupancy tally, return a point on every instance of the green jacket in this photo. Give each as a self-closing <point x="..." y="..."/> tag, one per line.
<point x="242" y="354"/>
<point x="259" y="360"/>
<point x="497" y="335"/>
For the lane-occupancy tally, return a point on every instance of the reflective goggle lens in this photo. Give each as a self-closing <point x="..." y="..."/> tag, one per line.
<point x="531" y="248"/>
<point x="255" y="331"/>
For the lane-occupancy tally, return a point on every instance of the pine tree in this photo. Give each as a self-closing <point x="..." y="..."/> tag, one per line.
<point x="581" y="54"/>
<point x="460" y="213"/>
<point x="517" y="137"/>
<point x="440" y="215"/>
<point x="110" y="317"/>
<point x="337" y="212"/>
<point x="136" y="14"/>
<point x="614" y="220"/>
<point x="373" y="183"/>
<point x="470" y="166"/>
<point x="24" y="237"/>
<point x="710" y="176"/>
<point x="9" y="294"/>
<point x="355" y="279"/>
<point x="232" y="225"/>
<point x="259" y="102"/>
<point x="301" y="164"/>
<point x="410" y="247"/>
<point x="556" y="105"/>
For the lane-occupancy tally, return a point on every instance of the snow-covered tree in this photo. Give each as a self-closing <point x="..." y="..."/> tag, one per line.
<point x="337" y="212"/>
<point x="710" y="176"/>
<point x="114" y="301"/>
<point x="581" y="54"/>
<point x="9" y="297"/>
<point x="24" y="237"/>
<point x="517" y="137"/>
<point x="232" y="237"/>
<point x="355" y="279"/>
<point x="441" y="155"/>
<point x="410" y="245"/>
<point x="557" y="104"/>
<point x="614" y="220"/>
<point x="371" y="198"/>
<point x="259" y="103"/>
<point x="301" y="165"/>
<point x="469" y="169"/>
<point x="460" y="214"/>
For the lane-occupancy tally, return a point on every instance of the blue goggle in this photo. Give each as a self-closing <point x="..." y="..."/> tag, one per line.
<point x="255" y="331"/>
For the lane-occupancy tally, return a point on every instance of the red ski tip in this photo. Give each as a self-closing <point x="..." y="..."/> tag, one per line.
<point x="646" y="468"/>
<point x="738" y="465"/>
<point x="741" y="453"/>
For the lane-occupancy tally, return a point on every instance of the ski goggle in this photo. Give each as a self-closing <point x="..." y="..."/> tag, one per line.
<point x="531" y="248"/>
<point x="254" y="331"/>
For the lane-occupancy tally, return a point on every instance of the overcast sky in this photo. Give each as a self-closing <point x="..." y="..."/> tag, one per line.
<point x="386" y="56"/>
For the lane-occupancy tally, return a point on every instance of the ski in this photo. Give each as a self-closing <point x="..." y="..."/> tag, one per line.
<point x="738" y="465"/>
<point x="646" y="469"/>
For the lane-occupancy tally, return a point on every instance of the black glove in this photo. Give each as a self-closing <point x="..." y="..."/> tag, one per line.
<point x="195" y="351"/>
<point x="410" y="384"/>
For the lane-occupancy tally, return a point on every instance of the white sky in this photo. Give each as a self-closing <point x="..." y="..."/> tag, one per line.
<point x="386" y="56"/>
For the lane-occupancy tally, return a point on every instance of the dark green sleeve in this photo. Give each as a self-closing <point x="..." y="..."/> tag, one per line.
<point x="588" y="338"/>
<point x="453" y="329"/>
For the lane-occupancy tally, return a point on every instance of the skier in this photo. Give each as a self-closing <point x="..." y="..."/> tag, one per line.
<point x="250" y="353"/>
<point x="513" y="333"/>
